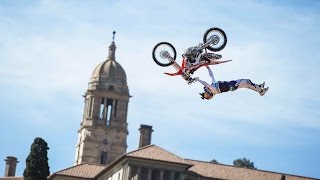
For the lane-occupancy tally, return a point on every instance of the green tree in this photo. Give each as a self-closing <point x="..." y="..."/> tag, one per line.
<point x="37" y="167"/>
<point x="214" y="161"/>
<point x="244" y="162"/>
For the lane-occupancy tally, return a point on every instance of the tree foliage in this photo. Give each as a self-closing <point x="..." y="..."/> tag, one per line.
<point x="244" y="163"/>
<point x="214" y="161"/>
<point x="37" y="167"/>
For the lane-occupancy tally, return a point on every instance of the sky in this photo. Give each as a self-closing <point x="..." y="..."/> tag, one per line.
<point x="49" y="49"/>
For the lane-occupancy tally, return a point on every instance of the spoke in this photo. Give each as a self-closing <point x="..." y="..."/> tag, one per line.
<point x="165" y="54"/>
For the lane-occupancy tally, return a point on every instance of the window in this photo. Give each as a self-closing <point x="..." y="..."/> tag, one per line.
<point x="111" y="88"/>
<point x="109" y="114"/>
<point x="104" y="157"/>
<point x="102" y="109"/>
<point x="109" y="111"/>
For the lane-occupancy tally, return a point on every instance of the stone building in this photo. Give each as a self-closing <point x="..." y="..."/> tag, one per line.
<point x="155" y="163"/>
<point x="102" y="142"/>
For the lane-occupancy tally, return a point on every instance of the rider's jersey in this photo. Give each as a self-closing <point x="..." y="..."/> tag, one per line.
<point x="214" y="88"/>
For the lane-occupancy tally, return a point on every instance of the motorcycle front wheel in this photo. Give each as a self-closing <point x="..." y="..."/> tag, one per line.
<point x="164" y="54"/>
<point x="219" y="39"/>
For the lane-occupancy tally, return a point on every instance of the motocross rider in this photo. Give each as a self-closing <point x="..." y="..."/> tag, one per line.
<point x="218" y="87"/>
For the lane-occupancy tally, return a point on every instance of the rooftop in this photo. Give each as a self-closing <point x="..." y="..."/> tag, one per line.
<point x="202" y="168"/>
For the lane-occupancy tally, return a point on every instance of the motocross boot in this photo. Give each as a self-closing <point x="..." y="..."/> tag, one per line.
<point x="217" y="56"/>
<point x="263" y="91"/>
<point x="211" y="57"/>
<point x="262" y="85"/>
<point x="257" y="88"/>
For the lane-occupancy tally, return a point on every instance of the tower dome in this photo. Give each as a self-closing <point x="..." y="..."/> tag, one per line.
<point x="109" y="75"/>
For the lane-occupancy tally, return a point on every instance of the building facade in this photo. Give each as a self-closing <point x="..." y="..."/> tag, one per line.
<point x="152" y="162"/>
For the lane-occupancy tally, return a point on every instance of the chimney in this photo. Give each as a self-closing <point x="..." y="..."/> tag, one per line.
<point x="145" y="135"/>
<point x="11" y="164"/>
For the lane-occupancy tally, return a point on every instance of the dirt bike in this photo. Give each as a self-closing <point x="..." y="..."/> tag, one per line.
<point x="214" y="39"/>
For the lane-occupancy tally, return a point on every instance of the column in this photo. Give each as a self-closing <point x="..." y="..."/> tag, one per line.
<point x="128" y="173"/>
<point x="104" y="108"/>
<point x="89" y="101"/>
<point x="161" y="174"/>
<point x="138" y="173"/>
<point x="149" y="173"/>
<point x="125" y="111"/>
<point x="181" y="177"/>
<point x="85" y="108"/>
<point x="172" y="175"/>
<point x="113" y="110"/>
<point x="91" y="105"/>
<point x="124" y="175"/>
<point x="122" y="109"/>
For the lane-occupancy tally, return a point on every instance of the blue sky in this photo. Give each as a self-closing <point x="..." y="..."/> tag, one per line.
<point x="48" y="50"/>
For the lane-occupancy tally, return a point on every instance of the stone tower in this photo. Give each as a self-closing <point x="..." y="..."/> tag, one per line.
<point x="102" y="136"/>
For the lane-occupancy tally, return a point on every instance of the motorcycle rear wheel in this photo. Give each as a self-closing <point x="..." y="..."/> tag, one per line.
<point x="158" y="54"/>
<point x="220" y="39"/>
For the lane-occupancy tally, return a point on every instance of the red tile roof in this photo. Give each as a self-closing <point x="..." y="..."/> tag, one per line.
<point x="220" y="171"/>
<point x="155" y="153"/>
<point x="207" y="169"/>
<point x="11" y="178"/>
<point x="84" y="170"/>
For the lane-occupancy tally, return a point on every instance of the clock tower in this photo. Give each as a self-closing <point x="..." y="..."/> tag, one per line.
<point x="102" y="136"/>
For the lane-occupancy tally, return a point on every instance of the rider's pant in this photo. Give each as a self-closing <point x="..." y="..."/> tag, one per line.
<point x="225" y="86"/>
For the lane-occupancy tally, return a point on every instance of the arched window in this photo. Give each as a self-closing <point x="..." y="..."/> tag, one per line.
<point x="102" y="109"/>
<point x="104" y="157"/>
<point x="111" y="88"/>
